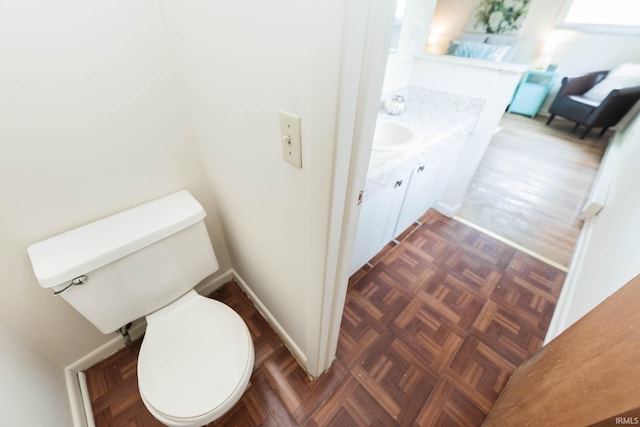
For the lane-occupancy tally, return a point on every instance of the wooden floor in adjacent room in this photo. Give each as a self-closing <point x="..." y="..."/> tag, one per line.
<point x="532" y="183"/>
<point x="431" y="333"/>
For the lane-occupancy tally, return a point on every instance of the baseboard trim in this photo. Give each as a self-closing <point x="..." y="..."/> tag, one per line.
<point x="446" y="210"/>
<point x="559" y="321"/>
<point x="514" y="245"/>
<point x="77" y="391"/>
<point x="75" y="395"/>
<point x="208" y="286"/>
<point x="86" y="399"/>
<point x="271" y="320"/>
<point x="81" y="412"/>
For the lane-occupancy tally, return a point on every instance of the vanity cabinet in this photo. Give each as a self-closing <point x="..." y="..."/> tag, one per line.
<point x="377" y="223"/>
<point x="387" y="214"/>
<point x="423" y="191"/>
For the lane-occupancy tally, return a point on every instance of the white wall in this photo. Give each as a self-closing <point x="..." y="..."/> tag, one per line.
<point x="574" y="51"/>
<point x="32" y="389"/>
<point x="449" y="20"/>
<point x="415" y="26"/>
<point x="494" y="83"/>
<point x="414" y="30"/>
<point x="91" y="122"/>
<point x="242" y="63"/>
<point x="608" y="252"/>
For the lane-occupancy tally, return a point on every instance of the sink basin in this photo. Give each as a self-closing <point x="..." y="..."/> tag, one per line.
<point x="392" y="136"/>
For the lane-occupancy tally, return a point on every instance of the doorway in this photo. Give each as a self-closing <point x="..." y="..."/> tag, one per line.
<point x="532" y="185"/>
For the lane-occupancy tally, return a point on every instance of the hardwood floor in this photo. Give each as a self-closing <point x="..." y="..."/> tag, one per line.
<point x="532" y="184"/>
<point x="429" y="337"/>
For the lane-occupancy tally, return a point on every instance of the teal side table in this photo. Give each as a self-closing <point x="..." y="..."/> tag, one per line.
<point x="531" y="92"/>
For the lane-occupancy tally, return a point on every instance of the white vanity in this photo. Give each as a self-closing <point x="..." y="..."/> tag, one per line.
<point x="412" y="160"/>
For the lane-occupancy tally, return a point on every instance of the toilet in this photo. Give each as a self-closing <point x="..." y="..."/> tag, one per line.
<point x="197" y="355"/>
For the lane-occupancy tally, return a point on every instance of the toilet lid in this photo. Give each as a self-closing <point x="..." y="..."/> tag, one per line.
<point x="193" y="357"/>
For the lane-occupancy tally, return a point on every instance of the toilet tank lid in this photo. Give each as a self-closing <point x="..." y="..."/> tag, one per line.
<point x="61" y="258"/>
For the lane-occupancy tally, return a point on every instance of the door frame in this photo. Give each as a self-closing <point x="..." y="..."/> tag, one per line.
<point x="367" y="32"/>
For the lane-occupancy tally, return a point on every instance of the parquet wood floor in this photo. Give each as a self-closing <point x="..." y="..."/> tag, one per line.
<point x="429" y="337"/>
<point x="532" y="183"/>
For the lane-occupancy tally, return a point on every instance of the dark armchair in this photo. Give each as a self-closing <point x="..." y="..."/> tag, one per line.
<point x="570" y="104"/>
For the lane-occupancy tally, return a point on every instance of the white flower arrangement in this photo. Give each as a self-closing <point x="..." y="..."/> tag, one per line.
<point x="501" y="16"/>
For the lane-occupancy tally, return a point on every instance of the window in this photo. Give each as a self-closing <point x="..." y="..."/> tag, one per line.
<point x="610" y="16"/>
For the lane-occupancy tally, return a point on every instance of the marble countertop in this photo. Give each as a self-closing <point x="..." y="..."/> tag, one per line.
<point x="436" y="118"/>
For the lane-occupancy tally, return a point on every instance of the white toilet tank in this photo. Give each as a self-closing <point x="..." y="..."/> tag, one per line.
<point x="135" y="262"/>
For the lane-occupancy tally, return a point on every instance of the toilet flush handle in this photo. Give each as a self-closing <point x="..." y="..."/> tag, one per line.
<point x="80" y="280"/>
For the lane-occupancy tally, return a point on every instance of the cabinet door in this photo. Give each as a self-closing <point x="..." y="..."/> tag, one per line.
<point x="422" y="193"/>
<point x="378" y="218"/>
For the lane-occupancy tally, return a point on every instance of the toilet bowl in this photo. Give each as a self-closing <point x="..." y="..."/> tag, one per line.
<point x="197" y="356"/>
<point x="195" y="361"/>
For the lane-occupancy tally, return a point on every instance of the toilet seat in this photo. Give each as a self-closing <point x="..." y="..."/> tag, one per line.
<point x="195" y="361"/>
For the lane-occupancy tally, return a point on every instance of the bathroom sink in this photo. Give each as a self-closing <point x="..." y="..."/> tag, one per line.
<point x="392" y="136"/>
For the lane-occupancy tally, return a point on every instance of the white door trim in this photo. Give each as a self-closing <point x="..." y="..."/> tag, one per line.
<point x="367" y="37"/>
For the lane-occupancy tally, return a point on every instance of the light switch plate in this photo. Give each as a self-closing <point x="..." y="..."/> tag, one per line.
<point x="290" y="134"/>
